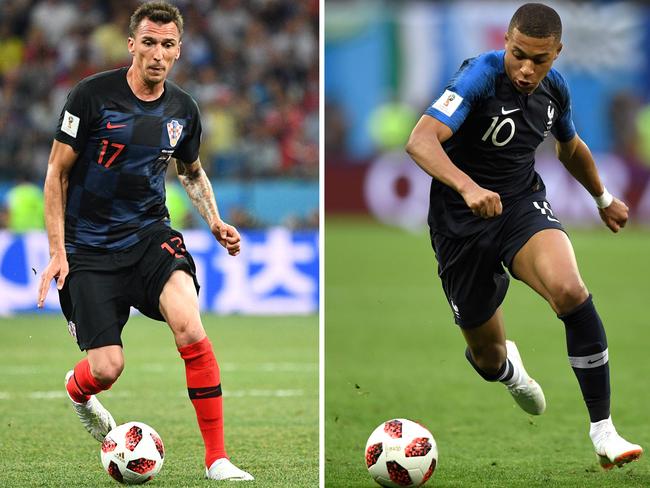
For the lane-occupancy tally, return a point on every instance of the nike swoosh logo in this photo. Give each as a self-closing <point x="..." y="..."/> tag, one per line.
<point x="114" y="126"/>
<point x="204" y="393"/>
<point x="506" y="112"/>
<point x="595" y="360"/>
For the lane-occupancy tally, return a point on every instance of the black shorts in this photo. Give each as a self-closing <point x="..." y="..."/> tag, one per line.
<point x="101" y="287"/>
<point x="471" y="268"/>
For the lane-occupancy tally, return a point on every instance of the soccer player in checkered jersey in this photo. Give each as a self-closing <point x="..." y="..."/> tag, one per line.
<point x="111" y="244"/>
<point x="488" y="208"/>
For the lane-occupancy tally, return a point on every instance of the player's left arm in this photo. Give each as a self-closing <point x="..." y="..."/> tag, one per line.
<point x="578" y="160"/>
<point x="199" y="189"/>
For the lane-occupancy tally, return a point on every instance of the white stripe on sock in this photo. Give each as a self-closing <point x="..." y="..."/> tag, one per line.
<point x="593" y="361"/>
<point x="506" y="372"/>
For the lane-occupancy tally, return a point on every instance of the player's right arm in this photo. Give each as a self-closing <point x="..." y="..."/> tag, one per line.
<point x="62" y="158"/>
<point x="425" y="147"/>
<point x="199" y="189"/>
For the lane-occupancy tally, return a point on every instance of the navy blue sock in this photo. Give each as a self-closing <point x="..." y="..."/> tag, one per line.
<point x="588" y="355"/>
<point x="504" y="374"/>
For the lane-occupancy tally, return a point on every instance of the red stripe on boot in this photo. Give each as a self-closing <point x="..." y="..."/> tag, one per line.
<point x="82" y="383"/>
<point x="202" y="374"/>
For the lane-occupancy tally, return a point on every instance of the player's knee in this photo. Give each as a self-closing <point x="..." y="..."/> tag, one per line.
<point x="568" y="295"/>
<point x="489" y="358"/>
<point x="187" y="331"/>
<point x="107" y="372"/>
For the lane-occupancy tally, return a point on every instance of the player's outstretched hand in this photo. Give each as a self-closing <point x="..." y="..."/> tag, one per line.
<point x="56" y="268"/>
<point x="482" y="202"/>
<point x="227" y="236"/>
<point x="614" y="216"/>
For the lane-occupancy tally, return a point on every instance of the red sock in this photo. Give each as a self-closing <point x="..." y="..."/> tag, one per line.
<point x="204" y="388"/>
<point x="82" y="384"/>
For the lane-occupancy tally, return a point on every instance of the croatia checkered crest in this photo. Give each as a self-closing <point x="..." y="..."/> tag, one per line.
<point x="132" y="453"/>
<point x="401" y="452"/>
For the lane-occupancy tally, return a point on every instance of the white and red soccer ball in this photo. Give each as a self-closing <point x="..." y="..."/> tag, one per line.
<point x="132" y="453"/>
<point x="400" y="453"/>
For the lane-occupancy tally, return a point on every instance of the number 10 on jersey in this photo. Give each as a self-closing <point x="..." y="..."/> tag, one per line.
<point x="497" y="128"/>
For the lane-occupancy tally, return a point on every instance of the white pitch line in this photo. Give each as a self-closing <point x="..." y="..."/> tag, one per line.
<point x="27" y="370"/>
<point x="287" y="367"/>
<point x="46" y="395"/>
<point x="58" y="394"/>
<point x="264" y="393"/>
<point x="238" y="367"/>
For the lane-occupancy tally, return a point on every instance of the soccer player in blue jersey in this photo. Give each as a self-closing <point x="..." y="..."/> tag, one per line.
<point x="488" y="209"/>
<point x="111" y="244"/>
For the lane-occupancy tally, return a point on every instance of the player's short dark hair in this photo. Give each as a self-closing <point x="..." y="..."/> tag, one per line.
<point x="537" y="20"/>
<point x="159" y="12"/>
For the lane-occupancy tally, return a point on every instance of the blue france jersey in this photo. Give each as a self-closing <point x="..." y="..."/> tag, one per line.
<point x="116" y="190"/>
<point x="496" y="130"/>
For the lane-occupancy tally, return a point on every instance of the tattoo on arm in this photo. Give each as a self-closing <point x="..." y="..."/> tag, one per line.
<point x="199" y="189"/>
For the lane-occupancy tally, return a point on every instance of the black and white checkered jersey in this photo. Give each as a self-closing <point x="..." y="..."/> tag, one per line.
<point x="116" y="187"/>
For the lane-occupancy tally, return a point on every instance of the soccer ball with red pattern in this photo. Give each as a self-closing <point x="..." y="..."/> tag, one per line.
<point x="401" y="452"/>
<point x="132" y="453"/>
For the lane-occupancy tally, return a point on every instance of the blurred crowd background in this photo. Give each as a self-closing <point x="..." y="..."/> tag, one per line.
<point x="387" y="61"/>
<point x="252" y="66"/>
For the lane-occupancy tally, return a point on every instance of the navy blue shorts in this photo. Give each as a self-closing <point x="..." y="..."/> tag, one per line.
<point x="472" y="268"/>
<point x="102" y="287"/>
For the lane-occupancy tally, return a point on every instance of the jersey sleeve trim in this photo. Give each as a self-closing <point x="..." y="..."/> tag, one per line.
<point x="472" y="82"/>
<point x="449" y="110"/>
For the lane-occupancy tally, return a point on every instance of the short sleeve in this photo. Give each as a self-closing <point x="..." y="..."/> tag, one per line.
<point x="188" y="150"/>
<point x="75" y="118"/>
<point x="563" y="130"/>
<point x="473" y="81"/>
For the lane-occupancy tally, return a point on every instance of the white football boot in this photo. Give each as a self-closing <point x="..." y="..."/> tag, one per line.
<point x="223" y="469"/>
<point x="525" y="390"/>
<point x="611" y="449"/>
<point x="93" y="415"/>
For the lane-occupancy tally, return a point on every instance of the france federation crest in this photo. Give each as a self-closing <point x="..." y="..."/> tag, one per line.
<point x="174" y="130"/>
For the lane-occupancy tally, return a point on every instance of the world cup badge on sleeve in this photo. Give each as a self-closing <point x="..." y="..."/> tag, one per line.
<point x="174" y="130"/>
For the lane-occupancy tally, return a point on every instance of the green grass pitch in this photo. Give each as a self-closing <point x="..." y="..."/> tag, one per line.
<point x="392" y="350"/>
<point x="269" y="372"/>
